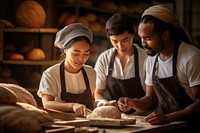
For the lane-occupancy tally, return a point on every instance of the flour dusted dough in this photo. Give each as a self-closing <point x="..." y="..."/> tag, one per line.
<point x="105" y="112"/>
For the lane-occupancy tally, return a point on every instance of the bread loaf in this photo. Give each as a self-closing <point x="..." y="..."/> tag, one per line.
<point x="106" y="112"/>
<point x="15" y="56"/>
<point x="16" y="119"/>
<point x="62" y="17"/>
<point x="6" y="23"/>
<point x="91" y="17"/>
<point x="83" y="20"/>
<point x="95" y="26"/>
<point x="41" y="115"/>
<point x="5" y="108"/>
<point x="35" y="54"/>
<point x="86" y="3"/>
<point x="7" y="96"/>
<point x="31" y="14"/>
<point x="21" y="94"/>
<point x="70" y="19"/>
<point x="23" y="124"/>
<point x="108" y="5"/>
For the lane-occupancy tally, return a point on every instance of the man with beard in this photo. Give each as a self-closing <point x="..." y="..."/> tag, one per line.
<point x="172" y="71"/>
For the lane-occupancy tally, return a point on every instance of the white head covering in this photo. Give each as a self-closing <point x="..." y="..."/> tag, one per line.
<point x="166" y="15"/>
<point x="70" y="32"/>
<point x="163" y="13"/>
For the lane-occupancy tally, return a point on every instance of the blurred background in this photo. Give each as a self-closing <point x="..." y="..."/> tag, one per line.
<point x="28" y="28"/>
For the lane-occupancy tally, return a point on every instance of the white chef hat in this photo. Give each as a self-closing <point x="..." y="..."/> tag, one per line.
<point x="70" y="32"/>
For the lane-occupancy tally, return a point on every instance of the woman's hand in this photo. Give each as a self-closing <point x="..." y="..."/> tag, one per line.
<point x="104" y="102"/>
<point x="125" y="104"/>
<point x="79" y="109"/>
<point x="111" y="103"/>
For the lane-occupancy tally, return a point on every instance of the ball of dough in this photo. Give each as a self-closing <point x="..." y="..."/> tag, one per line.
<point x="106" y="112"/>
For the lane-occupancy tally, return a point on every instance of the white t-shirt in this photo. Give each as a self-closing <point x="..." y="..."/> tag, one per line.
<point x="50" y="81"/>
<point x="188" y="72"/>
<point x="103" y="61"/>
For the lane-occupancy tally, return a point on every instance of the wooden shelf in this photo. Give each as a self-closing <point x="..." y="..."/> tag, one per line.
<point x="31" y="30"/>
<point x="28" y="62"/>
<point x="97" y="9"/>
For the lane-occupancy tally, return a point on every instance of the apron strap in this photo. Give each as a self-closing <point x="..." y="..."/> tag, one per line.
<point x="175" y="54"/>
<point x="62" y="79"/>
<point x="87" y="83"/>
<point x="110" y="68"/>
<point x="136" y="62"/>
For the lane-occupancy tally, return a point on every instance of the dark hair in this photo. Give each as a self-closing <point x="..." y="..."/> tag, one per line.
<point x="126" y="27"/>
<point x="177" y="34"/>
<point x="120" y="30"/>
<point x="159" y="26"/>
<point x="118" y="24"/>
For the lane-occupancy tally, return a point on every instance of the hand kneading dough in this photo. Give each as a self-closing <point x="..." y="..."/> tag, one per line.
<point x="106" y="112"/>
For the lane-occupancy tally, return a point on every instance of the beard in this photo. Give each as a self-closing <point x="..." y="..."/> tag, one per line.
<point x="153" y="52"/>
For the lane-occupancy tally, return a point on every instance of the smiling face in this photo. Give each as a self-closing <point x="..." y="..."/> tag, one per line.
<point x="151" y="41"/>
<point x="122" y="42"/>
<point x="77" y="55"/>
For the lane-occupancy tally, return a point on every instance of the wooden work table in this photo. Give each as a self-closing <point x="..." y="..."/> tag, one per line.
<point x="136" y="124"/>
<point x="141" y="127"/>
<point x="138" y="127"/>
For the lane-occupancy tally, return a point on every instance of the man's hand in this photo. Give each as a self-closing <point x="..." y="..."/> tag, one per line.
<point x="157" y="119"/>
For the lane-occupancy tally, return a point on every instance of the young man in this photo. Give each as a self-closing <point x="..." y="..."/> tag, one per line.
<point x="120" y="69"/>
<point x="172" y="75"/>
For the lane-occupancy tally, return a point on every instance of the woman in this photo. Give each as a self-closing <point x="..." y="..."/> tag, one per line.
<point x="67" y="86"/>
<point x="119" y="69"/>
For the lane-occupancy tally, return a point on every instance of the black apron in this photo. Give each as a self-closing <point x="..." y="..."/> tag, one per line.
<point x="131" y="88"/>
<point x="83" y="98"/>
<point x="171" y="95"/>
